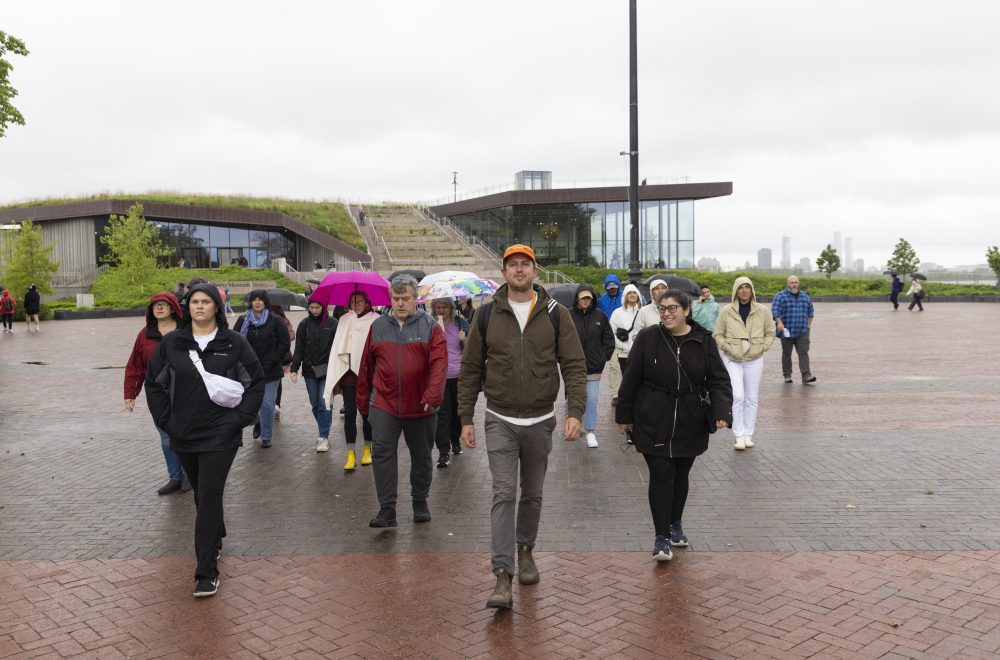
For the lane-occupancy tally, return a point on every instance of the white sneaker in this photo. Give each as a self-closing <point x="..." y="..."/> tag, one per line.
<point x="741" y="443"/>
<point x="591" y="440"/>
<point x="748" y="441"/>
<point x="277" y="412"/>
<point x="322" y="444"/>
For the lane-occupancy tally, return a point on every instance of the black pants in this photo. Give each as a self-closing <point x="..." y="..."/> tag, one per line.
<point x="894" y="299"/>
<point x="277" y="399"/>
<point x="916" y="302"/>
<point x="8" y="321"/>
<point x="350" y="393"/>
<point x="668" y="489"/>
<point x="418" y="433"/>
<point x="207" y="472"/>
<point x="449" y="424"/>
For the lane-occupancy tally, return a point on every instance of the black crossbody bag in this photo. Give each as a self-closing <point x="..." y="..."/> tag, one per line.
<point x="703" y="396"/>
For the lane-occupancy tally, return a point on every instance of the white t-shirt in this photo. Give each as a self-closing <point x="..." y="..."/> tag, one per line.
<point x="203" y="340"/>
<point x="522" y="309"/>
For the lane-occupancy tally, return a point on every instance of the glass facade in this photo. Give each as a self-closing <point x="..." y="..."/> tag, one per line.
<point x="211" y="246"/>
<point x="590" y="234"/>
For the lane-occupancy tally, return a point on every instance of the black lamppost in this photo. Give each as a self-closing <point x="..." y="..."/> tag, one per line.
<point x="634" y="264"/>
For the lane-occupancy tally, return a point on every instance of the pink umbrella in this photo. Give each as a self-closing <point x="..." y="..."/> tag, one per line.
<point x="337" y="287"/>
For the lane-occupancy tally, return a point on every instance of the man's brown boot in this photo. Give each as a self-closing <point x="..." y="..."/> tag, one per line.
<point x="502" y="597"/>
<point x="527" y="572"/>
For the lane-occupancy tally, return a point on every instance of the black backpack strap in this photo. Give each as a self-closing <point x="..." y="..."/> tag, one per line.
<point x="483" y="320"/>
<point x="553" y="307"/>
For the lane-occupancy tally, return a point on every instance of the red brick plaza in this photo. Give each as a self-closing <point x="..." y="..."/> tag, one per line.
<point x="866" y="522"/>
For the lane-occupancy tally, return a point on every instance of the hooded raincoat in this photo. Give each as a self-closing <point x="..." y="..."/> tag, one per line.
<point x="741" y="341"/>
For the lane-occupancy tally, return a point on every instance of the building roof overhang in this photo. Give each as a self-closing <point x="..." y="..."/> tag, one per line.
<point x="584" y="195"/>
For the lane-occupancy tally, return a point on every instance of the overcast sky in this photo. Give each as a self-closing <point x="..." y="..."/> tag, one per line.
<point x="876" y="118"/>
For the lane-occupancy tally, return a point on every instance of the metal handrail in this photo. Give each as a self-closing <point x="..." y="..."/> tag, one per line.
<point x="71" y="277"/>
<point x="544" y="274"/>
<point x="379" y="239"/>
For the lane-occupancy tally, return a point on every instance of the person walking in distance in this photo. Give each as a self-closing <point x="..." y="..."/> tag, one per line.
<point x="609" y="303"/>
<point x="744" y="332"/>
<point x="32" y="307"/>
<point x="449" y="424"/>
<point x="704" y="310"/>
<point x="793" y="313"/>
<point x="518" y="345"/>
<point x="649" y="315"/>
<point x="916" y="294"/>
<point x="897" y="287"/>
<point x="670" y="367"/>
<point x="342" y="373"/>
<point x="205" y="429"/>
<point x="163" y="315"/>
<point x="598" y="342"/>
<point x="7" y="307"/>
<point x="401" y="383"/>
<point x="313" y="341"/>
<point x="623" y="325"/>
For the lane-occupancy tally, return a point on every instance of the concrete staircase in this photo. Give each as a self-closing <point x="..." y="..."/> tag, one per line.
<point x="402" y="237"/>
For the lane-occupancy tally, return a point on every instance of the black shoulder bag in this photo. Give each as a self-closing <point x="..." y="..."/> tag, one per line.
<point x="622" y="333"/>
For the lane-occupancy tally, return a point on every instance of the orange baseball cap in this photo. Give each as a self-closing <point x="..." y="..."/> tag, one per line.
<point x="517" y="248"/>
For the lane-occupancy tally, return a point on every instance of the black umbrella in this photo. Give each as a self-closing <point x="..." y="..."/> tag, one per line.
<point x="565" y="294"/>
<point x="918" y="276"/>
<point x="286" y="298"/>
<point x="414" y="272"/>
<point x="677" y="283"/>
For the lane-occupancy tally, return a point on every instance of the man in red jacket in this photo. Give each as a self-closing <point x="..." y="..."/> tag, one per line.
<point x="401" y="385"/>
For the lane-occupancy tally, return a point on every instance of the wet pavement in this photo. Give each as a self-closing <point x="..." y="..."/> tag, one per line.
<point x="864" y="522"/>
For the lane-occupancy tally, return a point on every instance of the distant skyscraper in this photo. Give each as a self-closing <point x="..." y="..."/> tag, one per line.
<point x="848" y="256"/>
<point x="838" y="244"/>
<point x="859" y="265"/>
<point x="764" y="258"/>
<point x="786" y="252"/>
<point x="804" y="265"/>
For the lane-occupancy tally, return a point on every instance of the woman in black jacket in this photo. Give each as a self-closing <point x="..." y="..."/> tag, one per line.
<point x="313" y="340"/>
<point x="671" y="365"/>
<point x="598" y="341"/>
<point x="268" y="337"/>
<point x="204" y="434"/>
<point x="32" y="307"/>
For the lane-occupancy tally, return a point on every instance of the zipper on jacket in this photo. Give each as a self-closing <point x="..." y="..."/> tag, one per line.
<point x="399" y="370"/>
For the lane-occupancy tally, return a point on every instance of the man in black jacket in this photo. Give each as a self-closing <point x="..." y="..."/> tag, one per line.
<point x="268" y="337"/>
<point x="598" y="342"/>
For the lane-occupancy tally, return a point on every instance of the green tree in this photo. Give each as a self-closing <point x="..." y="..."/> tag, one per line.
<point x="904" y="259"/>
<point x="8" y="113"/>
<point x="993" y="259"/>
<point x="133" y="246"/>
<point x="28" y="260"/>
<point x="828" y="262"/>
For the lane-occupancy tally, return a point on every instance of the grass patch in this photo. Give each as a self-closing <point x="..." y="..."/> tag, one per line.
<point x="722" y="283"/>
<point x="329" y="217"/>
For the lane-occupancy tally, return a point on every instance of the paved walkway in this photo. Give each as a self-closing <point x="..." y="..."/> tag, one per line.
<point x="863" y="523"/>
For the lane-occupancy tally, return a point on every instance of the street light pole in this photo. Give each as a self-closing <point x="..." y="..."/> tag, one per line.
<point x="634" y="265"/>
<point x="454" y="183"/>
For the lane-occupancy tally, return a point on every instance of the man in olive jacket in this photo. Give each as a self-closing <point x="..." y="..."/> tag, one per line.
<point x="518" y="374"/>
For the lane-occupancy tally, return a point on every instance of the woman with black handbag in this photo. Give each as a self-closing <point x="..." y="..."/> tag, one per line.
<point x="623" y="324"/>
<point x="313" y="340"/>
<point x="675" y="392"/>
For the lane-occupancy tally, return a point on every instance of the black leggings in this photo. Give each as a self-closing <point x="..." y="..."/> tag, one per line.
<point x="207" y="472"/>
<point x="668" y="489"/>
<point x="350" y="393"/>
<point x="8" y="321"/>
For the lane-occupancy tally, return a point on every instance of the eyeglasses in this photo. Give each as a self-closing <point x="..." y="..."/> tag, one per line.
<point x="160" y="305"/>
<point x="671" y="309"/>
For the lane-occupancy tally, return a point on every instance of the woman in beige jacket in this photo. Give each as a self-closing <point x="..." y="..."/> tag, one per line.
<point x="744" y="332"/>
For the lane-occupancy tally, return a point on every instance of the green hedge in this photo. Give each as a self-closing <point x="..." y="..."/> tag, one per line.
<point x="110" y="290"/>
<point x="44" y="313"/>
<point x="722" y="283"/>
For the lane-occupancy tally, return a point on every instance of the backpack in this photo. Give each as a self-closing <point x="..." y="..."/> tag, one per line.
<point x="484" y="321"/>
<point x="8" y="305"/>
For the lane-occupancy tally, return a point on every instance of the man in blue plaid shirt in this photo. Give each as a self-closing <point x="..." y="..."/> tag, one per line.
<point x="793" y="312"/>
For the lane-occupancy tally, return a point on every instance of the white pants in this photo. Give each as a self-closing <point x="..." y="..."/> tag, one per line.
<point x="745" y="377"/>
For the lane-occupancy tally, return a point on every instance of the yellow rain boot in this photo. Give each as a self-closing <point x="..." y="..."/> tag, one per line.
<point x="366" y="456"/>
<point x="351" y="460"/>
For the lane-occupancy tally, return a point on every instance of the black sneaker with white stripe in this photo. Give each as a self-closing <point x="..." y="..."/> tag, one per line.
<point x="206" y="587"/>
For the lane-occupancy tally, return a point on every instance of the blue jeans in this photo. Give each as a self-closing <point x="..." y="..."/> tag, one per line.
<point x="265" y="416"/>
<point x="322" y="414"/>
<point x="174" y="468"/>
<point x="590" y="412"/>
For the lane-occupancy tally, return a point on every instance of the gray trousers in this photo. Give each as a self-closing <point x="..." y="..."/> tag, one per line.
<point x="508" y="447"/>
<point x="418" y="433"/>
<point x="801" y="345"/>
